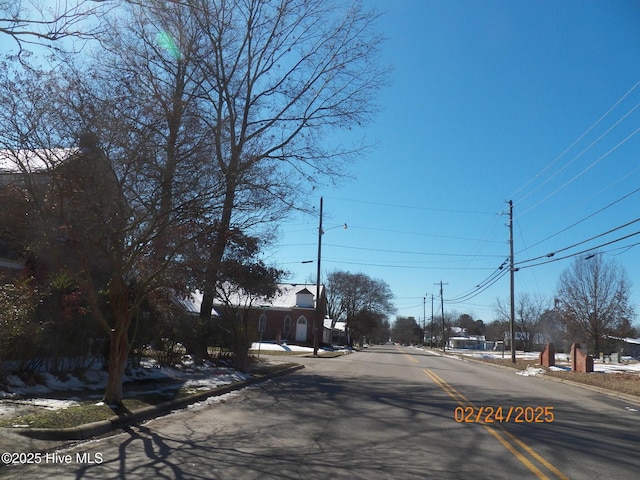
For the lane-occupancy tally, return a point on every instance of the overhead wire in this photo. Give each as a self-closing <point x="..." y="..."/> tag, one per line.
<point x="484" y="284"/>
<point x="481" y="287"/>
<point x="393" y="265"/>
<point x="414" y="207"/>
<point x="573" y="144"/>
<point x="552" y="254"/>
<point x="408" y="253"/>
<point x="462" y="299"/>
<point x="598" y="160"/>
<point x="611" y="204"/>
<point x="589" y="250"/>
<point x="421" y="234"/>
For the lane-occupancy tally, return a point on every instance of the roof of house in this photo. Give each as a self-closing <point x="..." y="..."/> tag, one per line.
<point x="471" y="338"/>
<point x="191" y="303"/>
<point x="286" y="298"/>
<point x="341" y="326"/>
<point x="33" y="161"/>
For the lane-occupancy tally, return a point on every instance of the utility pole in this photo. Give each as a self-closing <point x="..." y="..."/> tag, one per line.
<point x="424" y="318"/>
<point x="317" y="319"/>
<point x="512" y="330"/>
<point x="442" y="309"/>
<point x="431" y="341"/>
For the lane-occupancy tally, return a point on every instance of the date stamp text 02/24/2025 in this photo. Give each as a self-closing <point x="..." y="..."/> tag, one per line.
<point x="489" y="414"/>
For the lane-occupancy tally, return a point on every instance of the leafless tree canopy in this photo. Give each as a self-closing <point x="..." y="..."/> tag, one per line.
<point x="528" y="312"/>
<point x="30" y="22"/>
<point x="211" y="118"/>
<point x="593" y="294"/>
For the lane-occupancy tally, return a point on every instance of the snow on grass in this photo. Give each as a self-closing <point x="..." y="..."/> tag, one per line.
<point x="531" y="371"/>
<point x="628" y="365"/>
<point x="188" y="376"/>
<point x="275" y="347"/>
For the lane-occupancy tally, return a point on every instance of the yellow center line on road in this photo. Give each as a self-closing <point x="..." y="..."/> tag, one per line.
<point x="410" y="358"/>
<point x="500" y="434"/>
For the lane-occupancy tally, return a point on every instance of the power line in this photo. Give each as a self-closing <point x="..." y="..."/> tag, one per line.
<point x="624" y="197"/>
<point x="574" y="143"/>
<point x="475" y="293"/>
<point x="414" y="207"/>
<point x="556" y="259"/>
<point x="551" y="254"/>
<point x="487" y="282"/>
<point x="423" y="234"/>
<point x="598" y="160"/>
<point x="410" y="253"/>
<point x="412" y="267"/>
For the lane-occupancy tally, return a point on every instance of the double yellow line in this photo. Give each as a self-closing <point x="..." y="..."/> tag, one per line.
<point x="507" y="439"/>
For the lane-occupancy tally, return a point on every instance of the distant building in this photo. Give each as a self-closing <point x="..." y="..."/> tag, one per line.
<point x="462" y="340"/>
<point x="627" y="346"/>
<point x="288" y="317"/>
<point x="472" y="342"/>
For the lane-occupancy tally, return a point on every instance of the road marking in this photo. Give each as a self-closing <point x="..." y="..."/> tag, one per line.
<point x="501" y="434"/>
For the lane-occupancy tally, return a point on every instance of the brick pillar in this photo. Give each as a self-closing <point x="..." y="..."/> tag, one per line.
<point x="548" y="356"/>
<point x="579" y="361"/>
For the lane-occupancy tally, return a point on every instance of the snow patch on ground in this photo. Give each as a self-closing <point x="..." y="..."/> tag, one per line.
<point x="16" y="395"/>
<point x="50" y="394"/>
<point x="276" y="347"/>
<point x="531" y="371"/>
<point x="628" y="364"/>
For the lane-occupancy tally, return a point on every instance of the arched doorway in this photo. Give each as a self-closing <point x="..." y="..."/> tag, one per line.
<point x="301" y="330"/>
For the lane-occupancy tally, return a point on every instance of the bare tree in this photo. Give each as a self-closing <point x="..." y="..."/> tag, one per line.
<point x="593" y="294"/>
<point x="133" y="195"/>
<point x="496" y="330"/>
<point x="528" y="312"/>
<point x="281" y="76"/>
<point x="44" y="22"/>
<point x="208" y="117"/>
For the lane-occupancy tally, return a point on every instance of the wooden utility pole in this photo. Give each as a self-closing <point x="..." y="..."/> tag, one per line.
<point x="424" y="319"/>
<point x="442" y="310"/>
<point x="318" y="317"/>
<point x="512" y="330"/>
<point x="431" y="343"/>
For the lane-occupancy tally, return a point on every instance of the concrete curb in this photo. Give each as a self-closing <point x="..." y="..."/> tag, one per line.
<point x="95" y="429"/>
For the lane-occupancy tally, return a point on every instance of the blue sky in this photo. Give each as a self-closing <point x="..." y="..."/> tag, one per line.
<point x="489" y="101"/>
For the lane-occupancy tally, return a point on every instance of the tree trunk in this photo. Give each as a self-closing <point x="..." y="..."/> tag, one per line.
<point x="118" y="341"/>
<point x="217" y="251"/>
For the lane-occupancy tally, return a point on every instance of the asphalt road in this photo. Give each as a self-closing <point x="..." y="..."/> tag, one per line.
<point x="385" y="413"/>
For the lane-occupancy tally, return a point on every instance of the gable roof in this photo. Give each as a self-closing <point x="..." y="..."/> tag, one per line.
<point x="285" y="298"/>
<point x="287" y="294"/>
<point x="192" y="302"/>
